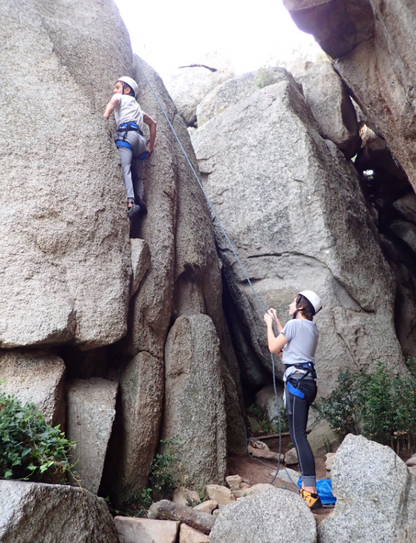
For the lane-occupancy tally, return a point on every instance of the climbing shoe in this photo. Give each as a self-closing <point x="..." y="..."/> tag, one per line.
<point x="312" y="500"/>
<point x="143" y="207"/>
<point x="133" y="211"/>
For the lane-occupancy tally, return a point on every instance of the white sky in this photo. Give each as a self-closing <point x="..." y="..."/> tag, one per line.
<point x="171" y="33"/>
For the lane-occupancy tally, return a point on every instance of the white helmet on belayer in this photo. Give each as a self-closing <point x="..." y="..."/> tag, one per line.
<point x="130" y="82"/>
<point x="313" y="299"/>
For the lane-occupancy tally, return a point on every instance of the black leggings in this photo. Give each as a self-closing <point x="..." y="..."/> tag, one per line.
<point x="297" y="415"/>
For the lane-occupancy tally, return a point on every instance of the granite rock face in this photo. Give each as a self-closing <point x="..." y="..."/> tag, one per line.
<point x="235" y="89"/>
<point x="65" y="257"/>
<point x="293" y="208"/>
<point x="270" y="517"/>
<point x="194" y="401"/>
<point x="189" y="85"/>
<point x="90" y="416"/>
<point x="376" y="496"/>
<point x="331" y="106"/>
<point x="71" y="278"/>
<point x="35" y="512"/>
<point x="35" y="377"/>
<point x="372" y="44"/>
<point x="132" y="530"/>
<point x="136" y="434"/>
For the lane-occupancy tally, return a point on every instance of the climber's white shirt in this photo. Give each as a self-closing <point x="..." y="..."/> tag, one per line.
<point x="127" y="110"/>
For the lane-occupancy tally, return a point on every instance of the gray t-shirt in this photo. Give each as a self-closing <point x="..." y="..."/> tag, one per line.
<point x="302" y="336"/>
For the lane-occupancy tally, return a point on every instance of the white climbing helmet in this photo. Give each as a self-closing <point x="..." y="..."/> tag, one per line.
<point x="313" y="298"/>
<point x="130" y="82"/>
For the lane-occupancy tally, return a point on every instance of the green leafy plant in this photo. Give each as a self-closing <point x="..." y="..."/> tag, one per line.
<point x="376" y="405"/>
<point x="269" y="426"/>
<point x="161" y="478"/>
<point x="30" y="449"/>
<point x="340" y="407"/>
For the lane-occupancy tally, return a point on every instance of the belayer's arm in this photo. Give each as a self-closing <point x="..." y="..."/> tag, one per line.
<point x="275" y="344"/>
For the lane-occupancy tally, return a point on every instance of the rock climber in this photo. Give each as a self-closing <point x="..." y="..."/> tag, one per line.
<point x="299" y="339"/>
<point x="130" y="140"/>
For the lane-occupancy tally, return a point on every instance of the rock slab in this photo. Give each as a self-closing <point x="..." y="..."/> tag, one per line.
<point x="259" y="187"/>
<point x="35" y="377"/>
<point x="194" y="400"/>
<point x="271" y="517"/>
<point x="41" y="513"/>
<point x="189" y="535"/>
<point x="142" y="530"/>
<point x="376" y="496"/>
<point x="91" y="409"/>
<point x="136" y="430"/>
<point x="331" y="106"/>
<point x="65" y="262"/>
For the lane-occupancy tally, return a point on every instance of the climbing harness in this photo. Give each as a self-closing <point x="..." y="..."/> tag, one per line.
<point x="239" y="262"/>
<point x="121" y="135"/>
<point x="292" y="384"/>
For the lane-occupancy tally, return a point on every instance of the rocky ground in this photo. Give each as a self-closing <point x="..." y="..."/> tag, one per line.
<point x="254" y="472"/>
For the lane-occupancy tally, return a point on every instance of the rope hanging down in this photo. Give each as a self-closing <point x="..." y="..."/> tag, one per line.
<point x="233" y="251"/>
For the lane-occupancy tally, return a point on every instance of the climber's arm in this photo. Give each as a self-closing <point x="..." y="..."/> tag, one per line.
<point x="152" y="129"/>
<point x="110" y="107"/>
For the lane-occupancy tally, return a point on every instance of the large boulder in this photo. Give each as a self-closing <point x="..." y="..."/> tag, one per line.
<point x="372" y="44"/>
<point x="189" y="84"/>
<point x="35" y="377"/>
<point x="90" y="415"/>
<point x="194" y="401"/>
<point x="132" y="530"/>
<point x="35" y="512"/>
<point x="235" y="89"/>
<point x="270" y="517"/>
<point x="331" y="106"/>
<point x="136" y="430"/>
<point x="376" y="496"/>
<point x="293" y="208"/>
<point x="65" y="250"/>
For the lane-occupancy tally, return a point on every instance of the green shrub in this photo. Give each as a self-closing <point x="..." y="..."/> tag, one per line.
<point x="376" y="405"/>
<point x="267" y="425"/>
<point x="162" y="482"/>
<point x="30" y="449"/>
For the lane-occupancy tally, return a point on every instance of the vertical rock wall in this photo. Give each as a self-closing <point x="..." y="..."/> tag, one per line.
<point x="372" y="44"/>
<point x="293" y="208"/>
<point x="66" y="254"/>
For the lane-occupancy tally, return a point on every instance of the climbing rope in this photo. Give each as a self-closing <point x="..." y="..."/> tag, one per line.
<point x="236" y="257"/>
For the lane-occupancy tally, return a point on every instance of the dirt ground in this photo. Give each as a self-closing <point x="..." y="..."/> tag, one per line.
<point x="254" y="472"/>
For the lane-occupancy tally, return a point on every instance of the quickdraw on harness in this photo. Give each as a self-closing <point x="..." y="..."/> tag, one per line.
<point x="121" y="136"/>
<point x="292" y="385"/>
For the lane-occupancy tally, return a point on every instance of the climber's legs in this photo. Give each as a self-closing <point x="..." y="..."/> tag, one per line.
<point x="131" y="166"/>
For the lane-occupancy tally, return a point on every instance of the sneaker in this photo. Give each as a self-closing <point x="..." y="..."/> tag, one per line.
<point x="312" y="500"/>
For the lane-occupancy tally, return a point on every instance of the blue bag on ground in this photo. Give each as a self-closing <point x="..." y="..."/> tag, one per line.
<point x="324" y="490"/>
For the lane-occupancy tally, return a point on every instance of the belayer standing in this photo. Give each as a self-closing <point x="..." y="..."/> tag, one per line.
<point x="130" y="140"/>
<point x="299" y="339"/>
